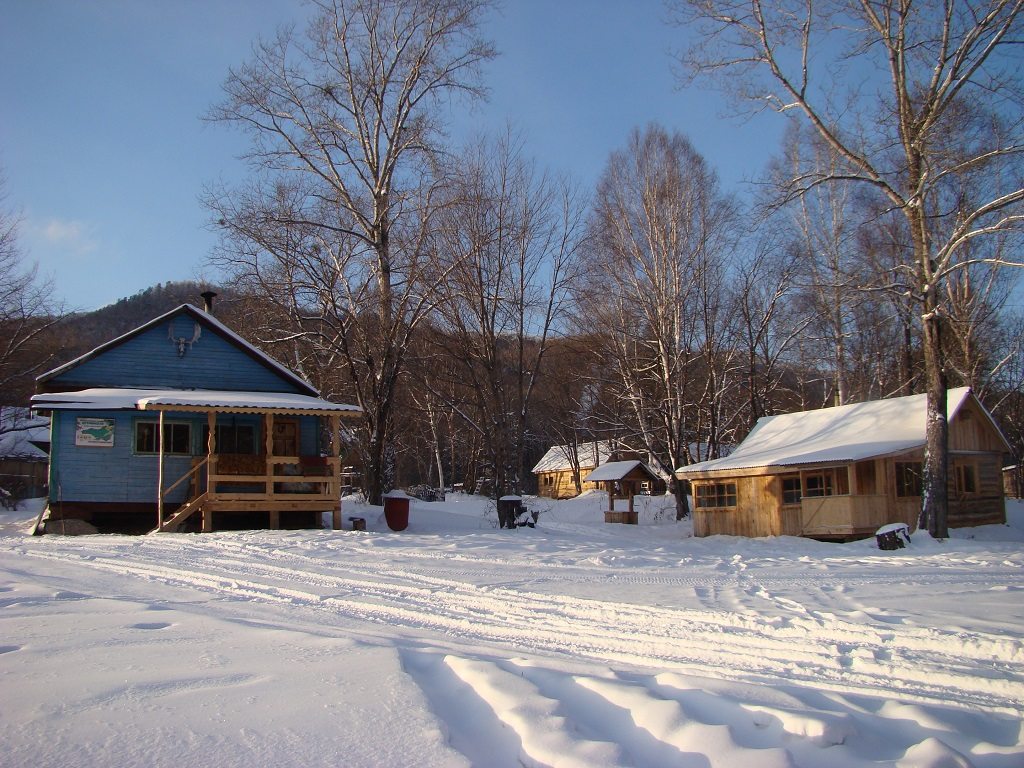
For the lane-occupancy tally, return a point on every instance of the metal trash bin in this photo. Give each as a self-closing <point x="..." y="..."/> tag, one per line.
<point x="396" y="510"/>
<point x="509" y="508"/>
<point x="893" y="536"/>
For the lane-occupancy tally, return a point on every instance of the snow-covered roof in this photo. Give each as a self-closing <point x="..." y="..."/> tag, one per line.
<point x="616" y="470"/>
<point x="20" y="433"/>
<point x="590" y="455"/>
<point x="840" y="434"/>
<point x="106" y="399"/>
<point x="204" y="317"/>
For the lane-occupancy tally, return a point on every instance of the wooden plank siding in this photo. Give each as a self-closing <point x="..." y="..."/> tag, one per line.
<point x="853" y="499"/>
<point x="987" y="504"/>
<point x="115" y="474"/>
<point x="842" y="516"/>
<point x="150" y="360"/>
<point x="871" y="502"/>
<point x="972" y="430"/>
<point x="559" y="484"/>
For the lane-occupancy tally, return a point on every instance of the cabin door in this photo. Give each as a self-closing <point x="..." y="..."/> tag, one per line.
<point x="286" y="437"/>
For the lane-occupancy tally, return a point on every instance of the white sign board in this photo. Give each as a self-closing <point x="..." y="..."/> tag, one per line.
<point x="97" y="433"/>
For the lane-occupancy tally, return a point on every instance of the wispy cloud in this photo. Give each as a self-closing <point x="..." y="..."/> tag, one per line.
<point x="75" y="238"/>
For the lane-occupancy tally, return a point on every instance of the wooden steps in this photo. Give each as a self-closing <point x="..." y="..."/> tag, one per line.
<point x="171" y="524"/>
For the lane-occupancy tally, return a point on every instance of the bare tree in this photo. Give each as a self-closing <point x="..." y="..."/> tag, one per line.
<point x="767" y="325"/>
<point x="569" y="401"/>
<point x="832" y="278"/>
<point x="949" y="112"/>
<point x="345" y="123"/>
<point x="659" y="232"/>
<point x="508" y="247"/>
<point x="28" y="314"/>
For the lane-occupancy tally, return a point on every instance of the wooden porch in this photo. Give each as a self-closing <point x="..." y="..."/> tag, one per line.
<point x="273" y="483"/>
<point x="843" y="517"/>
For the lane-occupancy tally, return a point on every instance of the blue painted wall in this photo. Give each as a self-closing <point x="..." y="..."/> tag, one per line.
<point x="150" y="360"/>
<point x="115" y="474"/>
<point x="118" y="474"/>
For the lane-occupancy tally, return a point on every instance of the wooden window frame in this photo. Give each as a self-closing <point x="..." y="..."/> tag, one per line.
<point x="788" y="493"/>
<point x="909" y="473"/>
<point x="257" y="444"/>
<point x="827" y="487"/>
<point x="170" y="428"/>
<point x="721" y="495"/>
<point x="835" y="481"/>
<point x="961" y="471"/>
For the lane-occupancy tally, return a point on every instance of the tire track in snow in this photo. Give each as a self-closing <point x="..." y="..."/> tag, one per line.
<point x="930" y="664"/>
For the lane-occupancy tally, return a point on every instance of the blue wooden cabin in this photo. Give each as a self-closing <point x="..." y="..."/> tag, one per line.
<point x="180" y="424"/>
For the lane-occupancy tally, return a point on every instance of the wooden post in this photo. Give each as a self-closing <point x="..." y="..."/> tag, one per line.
<point x="268" y="420"/>
<point x="160" y="472"/>
<point x="211" y="447"/>
<point x="334" y="468"/>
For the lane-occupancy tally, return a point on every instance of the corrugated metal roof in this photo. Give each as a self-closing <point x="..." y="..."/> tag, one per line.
<point x="841" y="434"/>
<point x="185" y="400"/>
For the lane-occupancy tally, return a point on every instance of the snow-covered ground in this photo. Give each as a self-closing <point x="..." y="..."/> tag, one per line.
<point x="453" y="643"/>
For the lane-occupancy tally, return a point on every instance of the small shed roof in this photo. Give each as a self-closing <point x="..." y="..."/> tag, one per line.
<point x="109" y="399"/>
<point x="841" y="434"/>
<point x="22" y="433"/>
<point x="619" y="470"/>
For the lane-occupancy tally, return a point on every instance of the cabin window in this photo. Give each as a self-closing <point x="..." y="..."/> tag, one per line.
<point x="966" y="479"/>
<point x="716" y="495"/>
<point x="819" y="484"/>
<point x="791" y="489"/>
<point x="177" y="437"/>
<point x="236" y="438"/>
<point x="908" y="478"/>
<point x="826" y="482"/>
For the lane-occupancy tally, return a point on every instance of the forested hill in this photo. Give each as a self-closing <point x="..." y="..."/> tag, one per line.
<point x="125" y="314"/>
<point x="83" y="331"/>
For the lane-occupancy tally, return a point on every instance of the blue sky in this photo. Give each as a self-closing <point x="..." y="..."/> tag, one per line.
<point x="105" y="153"/>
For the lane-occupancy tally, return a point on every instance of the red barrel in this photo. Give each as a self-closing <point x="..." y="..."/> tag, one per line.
<point x="396" y="510"/>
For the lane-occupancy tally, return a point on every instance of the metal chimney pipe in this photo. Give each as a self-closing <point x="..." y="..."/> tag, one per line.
<point x="208" y="297"/>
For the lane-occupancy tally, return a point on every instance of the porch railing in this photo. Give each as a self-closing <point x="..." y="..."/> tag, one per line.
<point x="290" y="478"/>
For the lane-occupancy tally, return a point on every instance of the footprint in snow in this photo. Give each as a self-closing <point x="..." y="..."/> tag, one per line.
<point x="150" y="625"/>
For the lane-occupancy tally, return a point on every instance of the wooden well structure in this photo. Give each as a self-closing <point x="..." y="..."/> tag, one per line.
<point x="622" y="480"/>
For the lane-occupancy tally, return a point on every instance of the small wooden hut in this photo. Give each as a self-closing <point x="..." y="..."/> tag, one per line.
<point x="554" y="471"/>
<point x="841" y="473"/>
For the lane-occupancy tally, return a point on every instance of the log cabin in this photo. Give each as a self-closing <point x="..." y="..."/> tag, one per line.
<point x="841" y="473"/>
<point x="554" y="471"/>
<point x="181" y="424"/>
